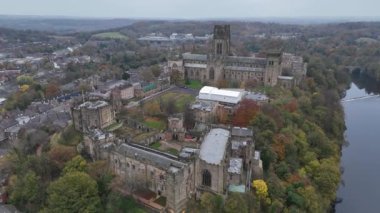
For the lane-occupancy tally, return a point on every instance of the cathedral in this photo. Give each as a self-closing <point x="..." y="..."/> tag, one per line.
<point x="220" y="64"/>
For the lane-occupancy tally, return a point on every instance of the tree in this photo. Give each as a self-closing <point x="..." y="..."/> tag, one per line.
<point x="73" y="192"/>
<point x="261" y="188"/>
<point x="175" y="76"/>
<point x="52" y="90"/>
<point x="24" y="80"/>
<point x="156" y="70"/>
<point x="327" y="178"/>
<point x="246" y="112"/>
<point x="147" y="75"/>
<point x="207" y="201"/>
<point x="60" y="154"/>
<point x="77" y="164"/>
<point x="170" y="106"/>
<point x="235" y="203"/>
<point x="26" y="193"/>
<point x="189" y="120"/>
<point x="125" y="76"/>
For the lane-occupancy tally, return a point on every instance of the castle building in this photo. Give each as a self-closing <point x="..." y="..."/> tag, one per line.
<point x="220" y="64"/>
<point x="92" y="115"/>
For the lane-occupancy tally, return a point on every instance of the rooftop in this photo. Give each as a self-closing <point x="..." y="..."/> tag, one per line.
<point x="93" y="105"/>
<point x="220" y="95"/>
<point x="198" y="57"/>
<point x="285" y="77"/>
<point x="257" y="96"/>
<point x="152" y="157"/>
<point x="235" y="165"/>
<point x="214" y="146"/>
<point x="241" y="132"/>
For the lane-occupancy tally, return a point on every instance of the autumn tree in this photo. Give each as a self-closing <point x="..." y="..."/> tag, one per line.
<point x="52" y="90"/>
<point x="246" y="112"/>
<point x="261" y="188"/>
<point x="60" y="154"/>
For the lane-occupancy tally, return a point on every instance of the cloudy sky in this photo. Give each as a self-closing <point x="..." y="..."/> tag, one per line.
<point x="193" y="9"/>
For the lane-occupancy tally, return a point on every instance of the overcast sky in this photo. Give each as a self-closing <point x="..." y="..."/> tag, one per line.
<point x="192" y="9"/>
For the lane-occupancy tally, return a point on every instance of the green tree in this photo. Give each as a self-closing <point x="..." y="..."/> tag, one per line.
<point x="156" y="70"/>
<point x="26" y="193"/>
<point x="235" y="203"/>
<point x="77" y="164"/>
<point x="211" y="203"/>
<point x="73" y="192"/>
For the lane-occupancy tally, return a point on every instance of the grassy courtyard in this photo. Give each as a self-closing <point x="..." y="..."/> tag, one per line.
<point x="194" y="84"/>
<point x="156" y="123"/>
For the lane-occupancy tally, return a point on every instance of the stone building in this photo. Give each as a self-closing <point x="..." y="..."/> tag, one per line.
<point x="212" y="162"/>
<point x="225" y="161"/>
<point x="176" y="130"/>
<point x="143" y="168"/>
<point x="220" y="64"/>
<point x="92" y="115"/>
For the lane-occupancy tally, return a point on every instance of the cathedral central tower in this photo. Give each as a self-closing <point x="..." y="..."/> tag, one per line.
<point x="221" y="41"/>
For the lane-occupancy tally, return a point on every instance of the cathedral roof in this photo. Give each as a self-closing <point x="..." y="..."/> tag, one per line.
<point x="149" y="156"/>
<point x="198" y="57"/>
<point x="214" y="146"/>
<point x="254" y="60"/>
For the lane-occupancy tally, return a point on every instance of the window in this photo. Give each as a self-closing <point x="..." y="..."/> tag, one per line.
<point x="211" y="74"/>
<point x="219" y="48"/>
<point x="206" y="178"/>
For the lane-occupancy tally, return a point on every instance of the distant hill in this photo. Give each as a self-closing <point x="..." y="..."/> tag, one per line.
<point x="61" y="25"/>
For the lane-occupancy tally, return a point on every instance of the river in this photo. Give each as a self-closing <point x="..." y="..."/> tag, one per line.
<point x="361" y="158"/>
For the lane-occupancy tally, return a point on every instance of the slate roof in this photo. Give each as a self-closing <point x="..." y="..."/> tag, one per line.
<point x="150" y="156"/>
<point x="196" y="57"/>
<point x="235" y="165"/>
<point x="241" y="132"/>
<point x="214" y="146"/>
<point x="251" y="60"/>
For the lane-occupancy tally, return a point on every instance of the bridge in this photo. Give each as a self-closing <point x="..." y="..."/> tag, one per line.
<point x="360" y="98"/>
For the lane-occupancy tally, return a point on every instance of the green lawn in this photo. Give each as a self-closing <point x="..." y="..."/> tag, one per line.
<point x="172" y="151"/>
<point x="155" y="145"/>
<point x="120" y="203"/>
<point x="181" y="99"/>
<point x="154" y="123"/>
<point x="114" y="126"/>
<point x="111" y="35"/>
<point x="194" y="84"/>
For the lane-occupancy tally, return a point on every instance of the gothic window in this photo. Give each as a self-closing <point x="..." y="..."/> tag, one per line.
<point x="219" y="48"/>
<point x="211" y="74"/>
<point x="206" y="178"/>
